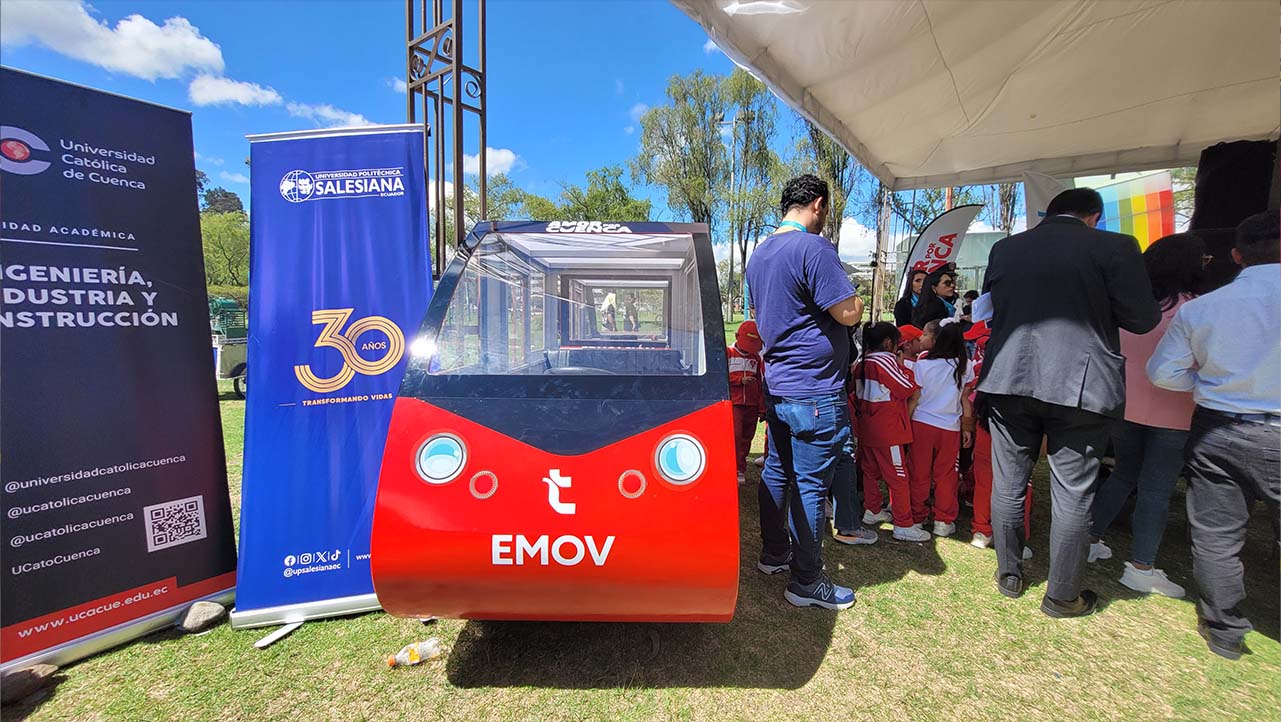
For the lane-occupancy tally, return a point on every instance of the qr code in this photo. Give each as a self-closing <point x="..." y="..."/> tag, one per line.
<point x="174" y="522"/>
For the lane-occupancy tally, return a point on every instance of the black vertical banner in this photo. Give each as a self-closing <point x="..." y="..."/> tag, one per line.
<point x="113" y="482"/>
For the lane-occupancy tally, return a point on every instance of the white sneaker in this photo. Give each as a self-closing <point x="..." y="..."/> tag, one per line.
<point x="742" y="478"/>
<point x="981" y="541"/>
<point x="1027" y="553"/>
<point x="943" y="528"/>
<point x="759" y="462"/>
<point x="1099" y="550"/>
<point x="880" y="517"/>
<point x="911" y="534"/>
<point x="1148" y="581"/>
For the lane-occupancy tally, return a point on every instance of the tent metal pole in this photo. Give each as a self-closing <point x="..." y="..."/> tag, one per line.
<point x="882" y="242"/>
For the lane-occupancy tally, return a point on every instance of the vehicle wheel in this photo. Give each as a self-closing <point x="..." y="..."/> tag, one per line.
<point x="240" y="384"/>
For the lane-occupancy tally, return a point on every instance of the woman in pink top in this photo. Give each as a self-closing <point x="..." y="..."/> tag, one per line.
<point x="1148" y="444"/>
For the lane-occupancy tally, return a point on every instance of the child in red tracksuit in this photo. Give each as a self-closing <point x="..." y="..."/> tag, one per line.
<point x="884" y="394"/>
<point x="745" y="391"/>
<point x="982" y="523"/>
<point x="942" y="423"/>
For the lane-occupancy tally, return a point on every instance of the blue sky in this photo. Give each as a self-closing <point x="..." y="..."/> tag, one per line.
<point x="567" y="78"/>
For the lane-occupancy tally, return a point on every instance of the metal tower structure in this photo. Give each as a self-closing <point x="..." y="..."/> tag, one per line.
<point x="442" y="90"/>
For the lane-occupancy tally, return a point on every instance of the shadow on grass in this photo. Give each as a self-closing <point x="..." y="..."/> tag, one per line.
<point x="769" y="644"/>
<point x="1260" y="556"/>
<point x="25" y="707"/>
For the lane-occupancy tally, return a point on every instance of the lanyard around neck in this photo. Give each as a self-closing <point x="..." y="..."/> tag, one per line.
<point x="793" y="226"/>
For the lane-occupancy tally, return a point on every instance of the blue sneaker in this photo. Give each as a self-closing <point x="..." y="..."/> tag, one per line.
<point x="822" y="593"/>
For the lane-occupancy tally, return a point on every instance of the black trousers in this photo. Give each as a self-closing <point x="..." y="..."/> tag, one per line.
<point x="1230" y="464"/>
<point x="1076" y="440"/>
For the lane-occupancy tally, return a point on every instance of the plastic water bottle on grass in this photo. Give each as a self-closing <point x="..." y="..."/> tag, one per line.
<point x="415" y="653"/>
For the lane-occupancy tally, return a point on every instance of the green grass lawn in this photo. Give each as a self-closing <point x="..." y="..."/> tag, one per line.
<point x="930" y="639"/>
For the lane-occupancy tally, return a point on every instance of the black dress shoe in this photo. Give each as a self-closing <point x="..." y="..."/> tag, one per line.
<point x="1009" y="585"/>
<point x="1084" y="604"/>
<point x="1224" y="649"/>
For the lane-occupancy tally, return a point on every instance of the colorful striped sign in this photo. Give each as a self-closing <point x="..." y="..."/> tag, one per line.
<point x="1142" y="207"/>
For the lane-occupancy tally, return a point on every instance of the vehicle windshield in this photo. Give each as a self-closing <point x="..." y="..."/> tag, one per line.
<point x="575" y="304"/>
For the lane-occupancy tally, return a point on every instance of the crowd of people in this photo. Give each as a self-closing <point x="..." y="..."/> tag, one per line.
<point x="1079" y="343"/>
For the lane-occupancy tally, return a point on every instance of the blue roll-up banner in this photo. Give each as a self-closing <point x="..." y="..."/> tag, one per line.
<point x="339" y="276"/>
<point x="114" y="482"/>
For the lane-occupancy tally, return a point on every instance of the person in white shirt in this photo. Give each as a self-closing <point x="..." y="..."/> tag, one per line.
<point x="942" y="423"/>
<point x="1225" y="347"/>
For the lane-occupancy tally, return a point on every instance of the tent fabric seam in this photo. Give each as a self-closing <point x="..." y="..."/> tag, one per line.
<point x="956" y="89"/>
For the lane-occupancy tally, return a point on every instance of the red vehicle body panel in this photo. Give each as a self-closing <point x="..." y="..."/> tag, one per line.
<point x="669" y="554"/>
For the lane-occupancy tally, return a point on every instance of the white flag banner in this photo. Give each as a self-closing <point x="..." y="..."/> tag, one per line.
<point x="1038" y="190"/>
<point x="940" y="242"/>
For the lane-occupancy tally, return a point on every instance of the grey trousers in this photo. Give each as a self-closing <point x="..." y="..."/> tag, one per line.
<point x="1076" y="441"/>
<point x="1231" y="464"/>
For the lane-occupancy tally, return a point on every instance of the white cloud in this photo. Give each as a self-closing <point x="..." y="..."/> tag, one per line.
<point x="721" y="251"/>
<point x="208" y="159"/>
<point x="629" y="129"/>
<point x="981" y="225"/>
<point x="710" y="47"/>
<point x="762" y="7"/>
<point x="637" y="111"/>
<point x="136" y="45"/>
<point x="211" y="90"/>
<point x="497" y="161"/>
<point x="858" y="242"/>
<point x="398" y="85"/>
<point x="327" y="115"/>
<point x="234" y="177"/>
<point x="431" y="194"/>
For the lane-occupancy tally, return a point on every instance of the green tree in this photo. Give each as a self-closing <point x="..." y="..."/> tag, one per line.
<point x="1184" y="182"/>
<point x="917" y="208"/>
<point x="221" y="200"/>
<point x="225" y="238"/>
<point x="504" y="201"/>
<point x="755" y="170"/>
<point x="202" y="180"/>
<point x="709" y="148"/>
<point x="538" y="208"/>
<point x="605" y="198"/>
<point x="844" y="175"/>
<point x="1002" y="205"/>
<point x="682" y="150"/>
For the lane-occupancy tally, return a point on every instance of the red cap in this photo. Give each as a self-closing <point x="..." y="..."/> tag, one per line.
<point x="747" y="337"/>
<point x="978" y="331"/>
<point x="908" y="334"/>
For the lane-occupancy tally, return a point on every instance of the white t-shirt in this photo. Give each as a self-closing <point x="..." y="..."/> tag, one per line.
<point x="940" y="404"/>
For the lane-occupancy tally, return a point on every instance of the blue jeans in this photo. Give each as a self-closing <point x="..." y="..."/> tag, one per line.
<point x="808" y="438"/>
<point x="847" y="494"/>
<point x="1151" y="459"/>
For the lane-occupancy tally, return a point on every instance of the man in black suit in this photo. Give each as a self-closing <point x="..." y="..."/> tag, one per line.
<point x="1053" y="370"/>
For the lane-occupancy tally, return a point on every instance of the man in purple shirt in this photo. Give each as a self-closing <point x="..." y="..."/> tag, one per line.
<point x="804" y="304"/>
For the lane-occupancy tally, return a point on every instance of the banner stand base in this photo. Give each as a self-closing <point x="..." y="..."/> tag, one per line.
<point x="291" y="613"/>
<point x="277" y="635"/>
<point x="78" y="649"/>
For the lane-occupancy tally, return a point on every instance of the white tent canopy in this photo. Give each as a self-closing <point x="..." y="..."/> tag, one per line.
<point x="931" y="93"/>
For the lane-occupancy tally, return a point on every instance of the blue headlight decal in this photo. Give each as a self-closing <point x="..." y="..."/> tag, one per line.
<point x="441" y="458"/>
<point x="680" y="459"/>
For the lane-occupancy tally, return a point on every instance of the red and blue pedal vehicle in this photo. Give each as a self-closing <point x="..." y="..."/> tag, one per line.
<point x="561" y="447"/>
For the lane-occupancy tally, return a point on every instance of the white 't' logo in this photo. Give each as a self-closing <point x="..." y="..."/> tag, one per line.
<point x="555" y="482"/>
